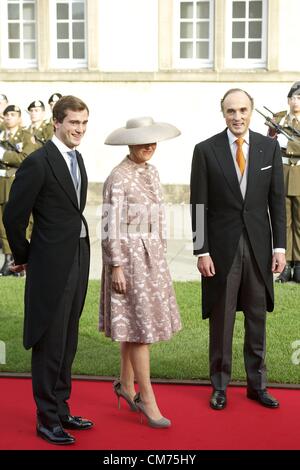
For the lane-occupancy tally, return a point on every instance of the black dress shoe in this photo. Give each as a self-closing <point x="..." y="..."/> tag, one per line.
<point x="286" y="274"/>
<point x="296" y="273"/>
<point x="5" y="270"/>
<point x="218" y="400"/>
<point x="263" y="397"/>
<point x="55" y="435"/>
<point x="76" y="422"/>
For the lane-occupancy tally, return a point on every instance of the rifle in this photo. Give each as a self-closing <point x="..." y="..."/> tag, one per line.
<point x="38" y="139"/>
<point x="291" y="128"/>
<point x="278" y="128"/>
<point x="15" y="149"/>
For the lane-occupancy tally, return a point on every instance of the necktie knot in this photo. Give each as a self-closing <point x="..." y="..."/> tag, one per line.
<point x="240" y="157"/>
<point x="72" y="154"/>
<point x="240" y="141"/>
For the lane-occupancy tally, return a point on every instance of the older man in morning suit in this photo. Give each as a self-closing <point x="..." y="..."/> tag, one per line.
<point x="237" y="177"/>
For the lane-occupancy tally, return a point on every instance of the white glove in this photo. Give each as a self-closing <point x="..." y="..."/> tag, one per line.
<point x="2" y="152"/>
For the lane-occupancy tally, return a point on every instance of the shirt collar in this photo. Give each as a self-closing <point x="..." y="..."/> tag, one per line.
<point x="63" y="148"/>
<point x="293" y="116"/>
<point x="232" y="138"/>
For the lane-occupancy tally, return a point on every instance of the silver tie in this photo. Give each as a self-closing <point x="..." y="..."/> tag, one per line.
<point x="74" y="166"/>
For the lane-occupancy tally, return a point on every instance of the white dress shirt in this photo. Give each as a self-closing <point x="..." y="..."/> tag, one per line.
<point x="64" y="151"/>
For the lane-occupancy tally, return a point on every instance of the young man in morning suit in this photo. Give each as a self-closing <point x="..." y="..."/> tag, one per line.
<point x="52" y="185"/>
<point x="237" y="177"/>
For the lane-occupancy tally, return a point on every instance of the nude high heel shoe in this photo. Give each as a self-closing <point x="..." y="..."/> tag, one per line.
<point x="118" y="389"/>
<point x="154" y="423"/>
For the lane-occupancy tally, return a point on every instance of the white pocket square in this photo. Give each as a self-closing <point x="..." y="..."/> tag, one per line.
<point x="266" y="167"/>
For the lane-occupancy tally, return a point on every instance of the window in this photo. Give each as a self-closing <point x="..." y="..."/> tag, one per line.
<point x="194" y="33"/>
<point x="70" y="33"/>
<point x="246" y="43"/>
<point x="19" y="28"/>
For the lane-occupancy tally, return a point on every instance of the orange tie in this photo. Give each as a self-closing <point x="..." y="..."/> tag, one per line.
<point x="240" y="157"/>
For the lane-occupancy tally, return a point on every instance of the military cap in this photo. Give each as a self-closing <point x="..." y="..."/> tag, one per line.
<point x="10" y="108"/>
<point x="3" y="97"/>
<point x="55" y="97"/>
<point x="36" y="104"/>
<point x="295" y="89"/>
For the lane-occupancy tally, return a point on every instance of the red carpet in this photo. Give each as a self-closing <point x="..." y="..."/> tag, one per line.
<point x="244" y="424"/>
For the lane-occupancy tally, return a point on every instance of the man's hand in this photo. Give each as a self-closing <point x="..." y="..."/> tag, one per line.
<point x="278" y="262"/>
<point x="206" y="266"/>
<point x="18" y="268"/>
<point x="118" y="280"/>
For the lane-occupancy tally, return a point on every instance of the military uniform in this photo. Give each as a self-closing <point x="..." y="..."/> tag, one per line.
<point x="3" y="103"/>
<point x="291" y="169"/>
<point x="2" y="127"/>
<point x="17" y="147"/>
<point x="41" y="134"/>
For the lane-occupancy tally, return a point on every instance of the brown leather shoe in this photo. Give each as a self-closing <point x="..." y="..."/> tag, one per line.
<point x="218" y="400"/>
<point x="263" y="397"/>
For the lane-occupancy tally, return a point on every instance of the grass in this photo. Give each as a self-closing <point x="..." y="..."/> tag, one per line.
<point x="184" y="357"/>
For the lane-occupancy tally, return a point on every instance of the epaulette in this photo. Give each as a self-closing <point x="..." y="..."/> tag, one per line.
<point x="280" y="114"/>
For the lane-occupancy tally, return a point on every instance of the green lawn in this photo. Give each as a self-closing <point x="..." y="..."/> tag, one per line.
<point x="184" y="357"/>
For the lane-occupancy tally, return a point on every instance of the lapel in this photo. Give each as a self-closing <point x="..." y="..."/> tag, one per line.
<point x="84" y="180"/>
<point x="223" y="155"/>
<point x="61" y="171"/>
<point x="255" y="162"/>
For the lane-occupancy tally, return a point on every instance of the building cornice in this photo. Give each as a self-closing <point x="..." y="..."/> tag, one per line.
<point x="172" y="76"/>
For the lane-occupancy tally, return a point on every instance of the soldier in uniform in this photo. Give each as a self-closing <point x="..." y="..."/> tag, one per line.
<point x="290" y="121"/>
<point x="40" y="129"/>
<point x="53" y="99"/>
<point x="15" y="145"/>
<point x="3" y="105"/>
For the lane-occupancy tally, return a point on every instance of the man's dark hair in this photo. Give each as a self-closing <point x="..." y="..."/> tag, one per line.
<point x="234" y="90"/>
<point x="67" y="103"/>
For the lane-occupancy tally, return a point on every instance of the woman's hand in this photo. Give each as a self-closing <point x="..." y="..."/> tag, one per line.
<point x="118" y="280"/>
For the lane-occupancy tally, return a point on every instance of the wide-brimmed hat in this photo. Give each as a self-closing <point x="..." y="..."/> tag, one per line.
<point x="142" y="130"/>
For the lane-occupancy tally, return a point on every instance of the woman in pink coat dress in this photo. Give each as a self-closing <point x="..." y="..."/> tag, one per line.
<point x="138" y="305"/>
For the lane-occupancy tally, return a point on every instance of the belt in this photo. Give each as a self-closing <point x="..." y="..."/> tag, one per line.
<point x="8" y="173"/>
<point x="136" y="228"/>
<point x="293" y="161"/>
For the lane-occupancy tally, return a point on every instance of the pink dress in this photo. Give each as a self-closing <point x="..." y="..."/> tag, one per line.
<point x="132" y="237"/>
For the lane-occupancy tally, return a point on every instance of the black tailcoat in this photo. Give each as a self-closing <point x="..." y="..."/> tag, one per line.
<point x="43" y="186"/>
<point x="214" y="184"/>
